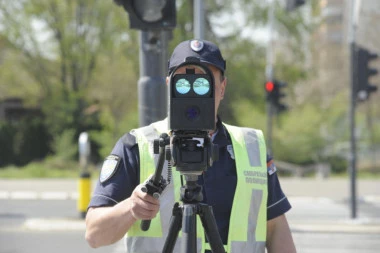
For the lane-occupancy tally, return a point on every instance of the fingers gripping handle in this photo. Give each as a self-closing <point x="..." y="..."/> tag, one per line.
<point x="145" y="224"/>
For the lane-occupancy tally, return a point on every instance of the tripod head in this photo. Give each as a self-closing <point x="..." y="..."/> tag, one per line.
<point x="192" y="152"/>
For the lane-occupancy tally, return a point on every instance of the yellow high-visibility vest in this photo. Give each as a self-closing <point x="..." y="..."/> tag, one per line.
<point x="247" y="229"/>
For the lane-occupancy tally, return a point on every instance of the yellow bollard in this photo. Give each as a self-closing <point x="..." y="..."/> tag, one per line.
<point x="84" y="188"/>
<point x="84" y="184"/>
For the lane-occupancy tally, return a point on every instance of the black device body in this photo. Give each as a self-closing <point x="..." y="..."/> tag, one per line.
<point x="191" y="116"/>
<point x="192" y="98"/>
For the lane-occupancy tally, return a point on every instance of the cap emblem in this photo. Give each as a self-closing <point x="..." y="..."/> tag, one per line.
<point x="196" y="45"/>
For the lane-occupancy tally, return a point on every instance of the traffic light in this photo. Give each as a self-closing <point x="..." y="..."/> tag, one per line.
<point x="274" y="94"/>
<point x="294" y="4"/>
<point x="362" y="87"/>
<point x="150" y="14"/>
<point x="269" y="88"/>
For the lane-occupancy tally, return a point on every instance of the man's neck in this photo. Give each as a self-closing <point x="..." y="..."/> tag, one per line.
<point x="212" y="132"/>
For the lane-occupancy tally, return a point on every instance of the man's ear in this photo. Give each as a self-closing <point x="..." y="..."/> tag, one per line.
<point x="223" y="84"/>
<point x="167" y="80"/>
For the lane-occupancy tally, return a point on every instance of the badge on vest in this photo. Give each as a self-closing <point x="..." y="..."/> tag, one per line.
<point x="231" y="151"/>
<point x="109" y="168"/>
<point x="271" y="168"/>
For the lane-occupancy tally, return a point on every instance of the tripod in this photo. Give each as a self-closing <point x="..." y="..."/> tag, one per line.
<point x="184" y="216"/>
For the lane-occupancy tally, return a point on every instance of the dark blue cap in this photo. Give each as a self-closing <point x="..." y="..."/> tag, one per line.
<point x="205" y="51"/>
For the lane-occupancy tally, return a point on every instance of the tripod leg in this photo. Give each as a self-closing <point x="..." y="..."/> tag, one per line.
<point x="211" y="229"/>
<point x="174" y="228"/>
<point x="189" y="229"/>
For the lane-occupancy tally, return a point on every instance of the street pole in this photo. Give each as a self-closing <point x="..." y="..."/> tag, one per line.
<point x="353" y="71"/>
<point x="352" y="157"/>
<point x="152" y="90"/>
<point x="155" y="20"/>
<point x="199" y="19"/>
<point x="269" y="73"/>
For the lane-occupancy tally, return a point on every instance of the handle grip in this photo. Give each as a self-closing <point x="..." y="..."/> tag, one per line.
<point x="145" y="224"/>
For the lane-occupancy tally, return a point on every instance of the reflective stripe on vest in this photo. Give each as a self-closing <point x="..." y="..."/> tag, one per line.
<point x="247" y="231"/>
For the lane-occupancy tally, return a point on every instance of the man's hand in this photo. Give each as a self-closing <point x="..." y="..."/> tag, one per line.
<point x="142" y="205"/>
<point x="279" y="237"/>
<point x="107" y="225"/>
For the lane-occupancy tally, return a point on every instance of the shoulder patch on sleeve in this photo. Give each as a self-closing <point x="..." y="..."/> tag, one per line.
<point x="109" y="168"/>
<point x="271" y="167"/>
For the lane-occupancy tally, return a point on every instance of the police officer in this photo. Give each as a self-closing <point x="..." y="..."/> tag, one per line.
<point x="242" y="186"/>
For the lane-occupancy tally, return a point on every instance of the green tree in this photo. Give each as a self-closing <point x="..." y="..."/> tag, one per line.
<point x="60" y="46"/>
<point x="60" y="40"/>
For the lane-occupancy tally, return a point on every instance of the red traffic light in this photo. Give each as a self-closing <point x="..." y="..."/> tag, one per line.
<point x="274" y="93"/>
<point x="269" y="86"/>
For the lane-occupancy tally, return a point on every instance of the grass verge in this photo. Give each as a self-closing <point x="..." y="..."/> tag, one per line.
<point x="51" y="168"/>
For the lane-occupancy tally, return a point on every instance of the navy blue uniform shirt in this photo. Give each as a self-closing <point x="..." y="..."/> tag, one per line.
<point x="218" y="182"/>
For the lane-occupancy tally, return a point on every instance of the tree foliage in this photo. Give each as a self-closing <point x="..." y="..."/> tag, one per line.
<point x="59" y="49"/>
